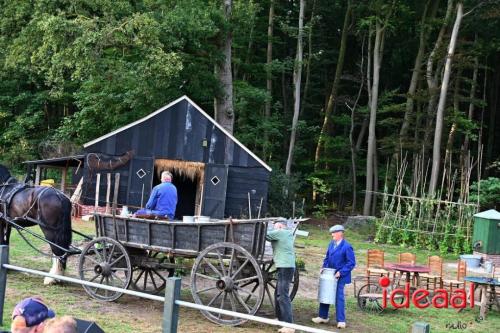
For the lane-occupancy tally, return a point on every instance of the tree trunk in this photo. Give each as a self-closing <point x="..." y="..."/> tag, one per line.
<point x="472" y="96"/>
<point x="224" y="112"/>
<point x="354" y="151"/>
<point x="436" y="150"/>
<point x="336" y="81"/>
<point x="297" y="77"/>
<point x="432" y="79"/>
<point x="269" y="76"/>
<point x="370" y="158"/>
<point x="410" y="98"/>
<point x="456" y="110"/>
<point x="309" y="58"/>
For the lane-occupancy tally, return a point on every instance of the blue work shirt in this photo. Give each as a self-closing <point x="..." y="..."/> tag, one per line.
<point x="163" y="200"/>
<point x="341" y="258"/>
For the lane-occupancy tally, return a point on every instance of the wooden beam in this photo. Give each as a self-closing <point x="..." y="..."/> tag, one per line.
<point x="97" y="185"/>
<point x="108" y="192"/>
<point x="115" y="193"/>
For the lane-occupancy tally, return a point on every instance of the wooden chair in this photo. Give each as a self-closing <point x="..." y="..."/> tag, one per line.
<point x="459" y="282"/>
<point x="435" y="276"/>
<point x="407" y="258"/>
<point x="375" y="264"/>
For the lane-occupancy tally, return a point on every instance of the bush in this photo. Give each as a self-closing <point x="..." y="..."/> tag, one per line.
<point x="487" y="193"/>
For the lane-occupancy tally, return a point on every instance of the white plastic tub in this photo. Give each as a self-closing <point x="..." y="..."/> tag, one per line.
<point x="473" y="261"/>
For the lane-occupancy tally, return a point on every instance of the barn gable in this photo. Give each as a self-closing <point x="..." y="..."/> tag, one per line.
<point x="174" y="131"/>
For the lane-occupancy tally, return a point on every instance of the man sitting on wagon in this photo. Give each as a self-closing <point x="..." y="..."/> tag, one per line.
<point x="163" y="199"/>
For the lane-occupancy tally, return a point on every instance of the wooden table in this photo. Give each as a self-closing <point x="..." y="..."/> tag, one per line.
<point x="408" y="269"/>
<point x="487" y="300"/>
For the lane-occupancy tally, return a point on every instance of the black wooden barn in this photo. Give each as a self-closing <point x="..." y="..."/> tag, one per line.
<point x="214" y="173"/>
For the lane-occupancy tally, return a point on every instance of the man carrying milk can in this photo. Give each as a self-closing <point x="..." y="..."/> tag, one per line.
<point x="340" y="257"/>
<point x="284" y="259"/>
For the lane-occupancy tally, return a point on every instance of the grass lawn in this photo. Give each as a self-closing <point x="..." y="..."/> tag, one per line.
<point x="130" y="314"/>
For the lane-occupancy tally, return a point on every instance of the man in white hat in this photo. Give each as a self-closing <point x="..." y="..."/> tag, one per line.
<point x="339" y="256"/>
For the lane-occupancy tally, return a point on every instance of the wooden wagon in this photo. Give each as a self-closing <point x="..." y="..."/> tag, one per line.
<point x="230" y="269"/>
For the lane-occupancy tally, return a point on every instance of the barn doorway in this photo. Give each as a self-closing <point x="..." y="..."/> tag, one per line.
<point x="188" y="178"/>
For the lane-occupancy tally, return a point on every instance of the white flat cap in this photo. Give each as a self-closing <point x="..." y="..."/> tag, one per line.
<point x="336" y="228"/>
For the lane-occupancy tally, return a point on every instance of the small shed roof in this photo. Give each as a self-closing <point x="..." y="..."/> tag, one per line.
<point x="489" y="214"/>
<point x="74" y="160"/>
<point x="168" y="106"/>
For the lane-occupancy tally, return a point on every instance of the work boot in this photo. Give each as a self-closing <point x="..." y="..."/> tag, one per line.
<point x="286" y="330"/>
<point x="341" y="324"/>
<point x="319" y="320"/>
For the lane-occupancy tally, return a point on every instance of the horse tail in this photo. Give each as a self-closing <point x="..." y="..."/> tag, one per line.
<point x="65" y="234"/>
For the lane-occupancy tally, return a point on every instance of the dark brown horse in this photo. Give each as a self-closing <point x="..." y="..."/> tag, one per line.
<point x="31" y="205"/>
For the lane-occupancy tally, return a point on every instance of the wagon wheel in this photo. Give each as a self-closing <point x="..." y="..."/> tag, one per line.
<point x="269" y="273"/>
<point x="226" y="276"/>
<point x="370" y="298"/>
<point x="105" y="261"/>
<point x="147" y="275"/>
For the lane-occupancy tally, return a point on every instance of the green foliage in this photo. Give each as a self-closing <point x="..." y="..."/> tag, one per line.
<point x="487" y="193"/>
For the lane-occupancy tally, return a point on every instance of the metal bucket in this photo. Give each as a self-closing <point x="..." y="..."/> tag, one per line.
<point x="327" y="289"/>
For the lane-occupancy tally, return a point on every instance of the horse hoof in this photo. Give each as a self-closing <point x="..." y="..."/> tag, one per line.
<point x="49" y="281"/>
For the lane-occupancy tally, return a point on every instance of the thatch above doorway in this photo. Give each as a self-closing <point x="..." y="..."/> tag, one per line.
<point x="191" y="170"/>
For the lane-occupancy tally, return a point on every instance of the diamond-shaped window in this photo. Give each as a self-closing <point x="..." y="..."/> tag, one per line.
<point x="215" y="180"/>
<point x="141" y="173"/>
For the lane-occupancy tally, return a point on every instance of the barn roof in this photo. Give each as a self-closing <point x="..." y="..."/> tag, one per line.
<point x="167" y="107"/>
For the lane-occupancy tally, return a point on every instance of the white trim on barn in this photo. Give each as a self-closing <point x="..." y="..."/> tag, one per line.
<point x="166" y="107"/>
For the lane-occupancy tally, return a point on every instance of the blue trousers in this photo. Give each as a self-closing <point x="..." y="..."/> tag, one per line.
<point x="339" y="305"/>
<point x="283" y="304"/>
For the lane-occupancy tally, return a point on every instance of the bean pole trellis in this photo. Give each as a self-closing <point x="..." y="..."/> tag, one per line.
<point x="411" y="218"/>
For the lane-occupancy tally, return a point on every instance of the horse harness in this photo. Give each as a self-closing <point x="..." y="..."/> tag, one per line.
<point x="7" y="191"/>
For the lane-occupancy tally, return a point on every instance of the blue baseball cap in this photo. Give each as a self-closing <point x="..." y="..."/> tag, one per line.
<point x="33" y="310"/>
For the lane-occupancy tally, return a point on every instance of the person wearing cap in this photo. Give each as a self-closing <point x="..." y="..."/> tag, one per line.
<point x="340" y="257"/>
<point x="29" y="316"/>
<point x="163" y="198"/>
<point x="284" y="259"/>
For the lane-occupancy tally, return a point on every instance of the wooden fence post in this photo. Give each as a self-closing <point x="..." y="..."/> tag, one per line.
<point x="4" y="259"/>
<point x="170" y="309"/>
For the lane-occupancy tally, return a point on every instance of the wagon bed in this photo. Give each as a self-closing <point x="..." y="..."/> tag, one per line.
<point x="183" y="238"/>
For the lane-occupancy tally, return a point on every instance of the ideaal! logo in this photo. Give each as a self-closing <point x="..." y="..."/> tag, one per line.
<point x="400" y="298"/>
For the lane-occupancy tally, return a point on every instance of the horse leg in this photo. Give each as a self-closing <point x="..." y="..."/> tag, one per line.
<point x="57" y="269"/>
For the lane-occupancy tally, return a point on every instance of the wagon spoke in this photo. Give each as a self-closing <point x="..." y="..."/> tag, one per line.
<point x="214" y="298"/>
<point x="212" y="267"/>
<point x="117" y="259"/>
<point x="111" y="253"/>
<point x="205" y="289"/>
<point x="138" y="277"/>
<point x="100" y="282"/>
<point x="222" y="304"/>
<point x="271" y="284"/>
<point x="159" y="275"/>
<point x="92" y="259"/>
<point x="117" y="277"/>
<point x="255" y="277"/>
<point x="231" y="262"/>
<point x="238" y="298"/>
<point x="250" y="294"/>
<point x="153" y="279"/>
<point x="145" y="280"/>
<point x="248" y="283"/>
<point x="106" y="290"/>
<point x="207" y="277"/>
<point x="221" y="262"/>
<point x="124" y="269"/>
<point x="271" y="297"/>
<point x="104" y="249"/>
<point x="95" y="277"/>
<point x="233" y="306"/>
<point x="240" y="268"/>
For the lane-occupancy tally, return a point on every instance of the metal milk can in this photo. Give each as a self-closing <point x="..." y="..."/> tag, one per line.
<point x="327" y="286"/>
